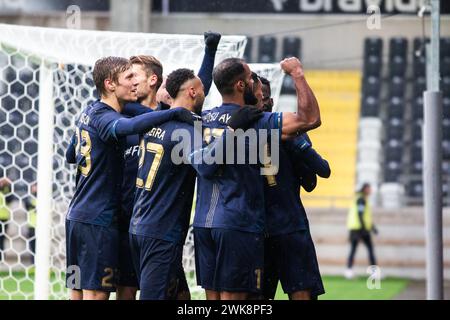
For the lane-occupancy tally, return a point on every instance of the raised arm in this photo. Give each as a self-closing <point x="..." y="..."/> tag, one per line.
<point x="308" y="112"/>
<point x="212" y="40"/>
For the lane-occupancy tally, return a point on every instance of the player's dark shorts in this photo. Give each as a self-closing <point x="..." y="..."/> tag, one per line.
<point x="91" y="250"/>
<point x="126" y="274"/>
<point x="229" y="260"/>
<point x="292" y="259"/>
<point x="158" y="264"/>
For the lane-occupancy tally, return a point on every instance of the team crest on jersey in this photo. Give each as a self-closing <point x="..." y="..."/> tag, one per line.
<point x="84" y="119"/>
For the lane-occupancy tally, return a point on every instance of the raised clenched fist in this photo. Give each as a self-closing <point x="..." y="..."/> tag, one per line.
<point x="292" y="66"/>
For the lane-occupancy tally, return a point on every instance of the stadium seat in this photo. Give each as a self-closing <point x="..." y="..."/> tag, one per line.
<point x="398" y="47"/>
<point x="446" y="107"/>
<point x="445" y="67"/>
<point x="416" y="167"/>
<point x="446" y="128"/>
<point x="372" y="66"/>
<point x="415" y="188"/>
<point x="419" y="64"/>
<point x="446" y="148"/>
<point x="288" y="86"/>
<point x="392" y="171"/>
<point x="445" y="47"/>
<point x="397" y="66"/>
<point x="370" y="107"/>
<point x="395" y="129"/>
<point x="445" y="86"/>
<point x="416" y="151"/>
<point x="419" y="46"/>
<point x="291" y="47"/>
<point x="371" y="87"/>
<point x="417" y="108"/>
<point x="373" y="47"/>
<point x="397" y="87"/>
<point x="396" y="108"/>
<point x="267" y="49"/>
<point x="420" y="85"/>
<point x="416" y="131"/>
<point x="394" y="150"/>
<point x="248" y="50"/>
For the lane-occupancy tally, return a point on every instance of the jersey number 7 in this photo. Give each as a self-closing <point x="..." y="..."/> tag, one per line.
<point x="158" y="150"/>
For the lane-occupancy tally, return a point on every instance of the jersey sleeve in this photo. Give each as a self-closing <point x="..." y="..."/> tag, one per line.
<point x="201" y="155"/>
<point x="71" y="152"/>
<point x="104" y="122"/>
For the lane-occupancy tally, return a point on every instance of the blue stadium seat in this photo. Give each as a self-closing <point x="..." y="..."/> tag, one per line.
<point x="445" y="47"/>
<point x="446" y="128"/>
<point x="445" y="67"/>
<point x="417" y="108"/>
<point x="419" y="64"/>
<point x="396" y="108"/>
<point x="416" y="151"/>
<point x="395" y="129"/>
<point x="372" y="66"/>
<point x="416" y="131"/>
<point x="397" y="87"/>
<point x="446" y="107"/>
<point x="373" y="47"/>
<point x="392" y="171"/>
<point x="398" y="47"/>
<point x="420" y="85"/>
<point x="371" y="86"/>
<point x="291" y="47"/>
<point x="370" y="107"/>
<point x="416" y="167"/>
<point x="397" y="66"/>
<point x="393" y="151"/>
<point x="415" y="188"/>
<point x="248" y="50"/>
<point x="445" y="86"/>
<point x="446" y="148"/>
<point x="267" y="49"/>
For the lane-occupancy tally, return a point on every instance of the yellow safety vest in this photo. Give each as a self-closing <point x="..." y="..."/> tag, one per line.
<point x="4" y="210"/>
<point x="32" y="214"/>
<point x="353" y="222"/>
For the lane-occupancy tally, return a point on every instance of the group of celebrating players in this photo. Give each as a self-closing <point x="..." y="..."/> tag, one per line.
<point x="138" y="165"/>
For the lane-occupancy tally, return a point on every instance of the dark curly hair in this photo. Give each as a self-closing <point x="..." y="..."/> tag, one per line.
<point x="227" y="73"/>
<point x="176" y="79"/>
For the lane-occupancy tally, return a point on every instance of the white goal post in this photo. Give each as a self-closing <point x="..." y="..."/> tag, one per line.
<point x="45" y="80"/>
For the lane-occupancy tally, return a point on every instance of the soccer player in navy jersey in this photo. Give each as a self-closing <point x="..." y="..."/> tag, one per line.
<point x="289" y="253"/>
<point x="230" y="214"/>
<point x="150" y="94"/>
<point x="92" y="218"/>
<point x="165" y="187"/>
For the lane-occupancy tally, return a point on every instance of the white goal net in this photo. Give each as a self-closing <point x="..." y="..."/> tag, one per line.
<point x="45" y="80"/>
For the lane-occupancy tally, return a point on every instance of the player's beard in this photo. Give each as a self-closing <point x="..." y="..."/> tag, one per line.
<point x="249" y="97"/>
<point x="199" y="105"/>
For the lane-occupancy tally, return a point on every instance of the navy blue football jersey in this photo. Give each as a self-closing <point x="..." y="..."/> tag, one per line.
<point x="234" y="197"/>
<point x="99" y="166"/>
<point x="130" y="160"/>
<point x="284" y="210"/>
<point x="165" y="187"/>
